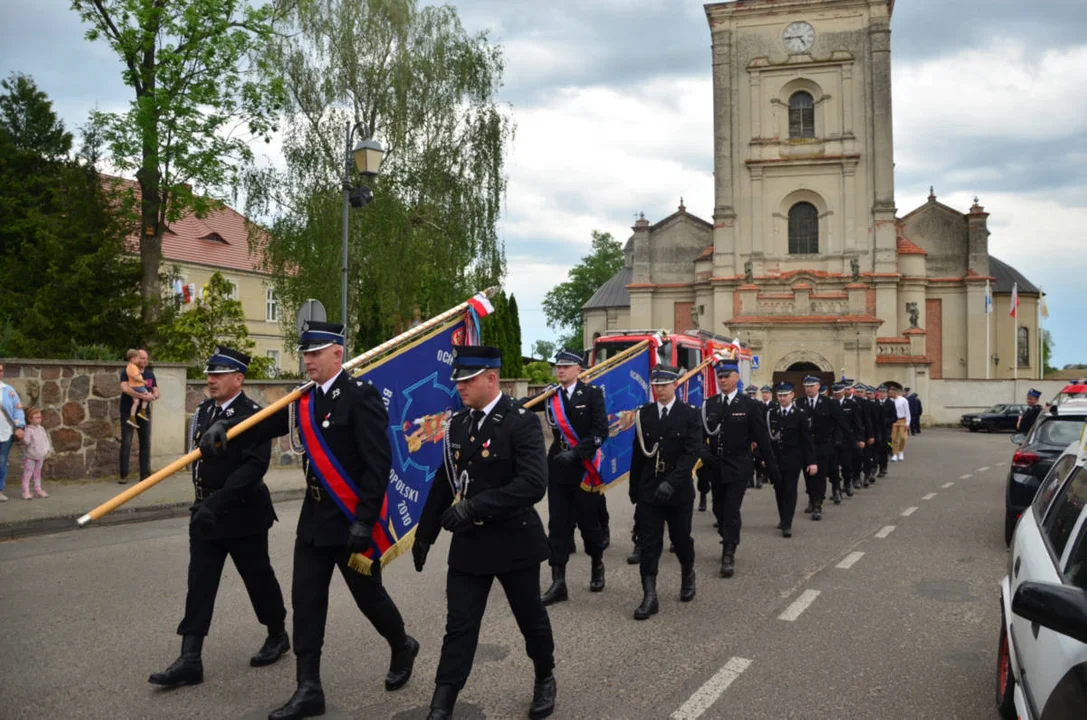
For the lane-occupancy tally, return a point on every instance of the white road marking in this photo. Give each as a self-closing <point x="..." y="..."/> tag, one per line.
<point x="983" y="469"/>
<point x="946" y="485"/>
<point x="929" y="496"/>
<point x="967" y="476"/>
<point x="799" y="605"/>
<point x="885" y="531"/>
<point x="909" y="511"/>
<point x="1001" y="464"/>
<point x="707" y="695"/>
<point x="850" y="560"/>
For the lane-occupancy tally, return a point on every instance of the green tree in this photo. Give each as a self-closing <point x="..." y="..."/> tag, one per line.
<point x="69" y="287"/>
<point x="190" y="334"/>
<point x="544" y="349"/>
<point x="1047" y="352"/>
<point x="539" y="373"/>
<point x="186" y="62"/>
<point x="414" y="79"/>
<point x="517" y="367"/>
<point x="562" y="304"/>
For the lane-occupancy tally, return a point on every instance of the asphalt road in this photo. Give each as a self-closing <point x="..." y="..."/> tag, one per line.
<point x="908" y="629"/>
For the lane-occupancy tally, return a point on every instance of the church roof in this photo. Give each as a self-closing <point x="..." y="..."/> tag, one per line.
<point x="906" y="246"/>
<point x="613" y="293"/>
<point x="1006" y="276"/>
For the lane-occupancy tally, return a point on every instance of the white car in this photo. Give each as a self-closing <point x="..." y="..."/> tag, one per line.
<point x="1042" y="657"/>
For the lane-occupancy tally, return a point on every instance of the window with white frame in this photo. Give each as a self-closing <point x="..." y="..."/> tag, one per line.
<point x="271" y="306"/>
<point x="272" y="355"/>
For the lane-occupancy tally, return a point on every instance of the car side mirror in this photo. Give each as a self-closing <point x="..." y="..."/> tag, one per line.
<point x="1018" y="438"/>
<point x="1058" y="607"/>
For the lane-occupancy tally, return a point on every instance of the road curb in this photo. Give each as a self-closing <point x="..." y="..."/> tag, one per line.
<point x="63" y="523"/>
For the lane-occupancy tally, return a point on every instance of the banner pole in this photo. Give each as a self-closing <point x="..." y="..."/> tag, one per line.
<point x="592" y="372"/>
<point x="179" y="464"/>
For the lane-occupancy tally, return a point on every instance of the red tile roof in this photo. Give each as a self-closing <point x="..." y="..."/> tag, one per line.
<point x="907" y="246"/>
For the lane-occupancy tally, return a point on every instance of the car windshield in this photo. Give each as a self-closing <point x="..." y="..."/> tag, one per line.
<point x="1059" y="431"/>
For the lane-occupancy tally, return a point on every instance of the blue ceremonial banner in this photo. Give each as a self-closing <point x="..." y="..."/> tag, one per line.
<point x="694" y="390"/>
<point x="419" y="395"/>
<point x="626" y="388"/>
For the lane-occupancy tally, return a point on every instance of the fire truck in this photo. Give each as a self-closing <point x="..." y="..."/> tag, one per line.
<point x="684" y="350"/>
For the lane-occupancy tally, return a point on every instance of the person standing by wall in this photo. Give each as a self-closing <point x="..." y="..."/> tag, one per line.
<point x="12" y="422"/>
<point x="143" y="425"/>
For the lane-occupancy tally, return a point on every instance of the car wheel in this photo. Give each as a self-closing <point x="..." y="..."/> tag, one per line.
<point x="1005" y="679"/>
<point x="1009" y="526"/>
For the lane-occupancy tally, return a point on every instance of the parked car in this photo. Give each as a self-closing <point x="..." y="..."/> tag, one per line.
<point x="998" y="417"/>
<point x="1037" y="450"/>
<point x="1042" y="653"/>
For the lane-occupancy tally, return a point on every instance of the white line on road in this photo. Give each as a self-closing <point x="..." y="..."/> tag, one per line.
<point x="885" y="531"/>
<point x="799" y="605"/>
<point x="850" y="560"/>
<point x="909" y="511"/>
<point x="1001" y="464"/>
<point x="983" y="469"/>
<point x="929" y="496"/>
<point x="946" y="485"/>
<point x="967" y="476"/>
<point x="707" y="695"/>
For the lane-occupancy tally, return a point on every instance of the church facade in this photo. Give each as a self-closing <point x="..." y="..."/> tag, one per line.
<point x="806" y="259"/>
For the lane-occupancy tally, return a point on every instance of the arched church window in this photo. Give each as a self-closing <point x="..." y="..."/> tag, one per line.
<point x="803" y="229"/>
<point x="1023" y="350"/>
<point x="801" y="115"/>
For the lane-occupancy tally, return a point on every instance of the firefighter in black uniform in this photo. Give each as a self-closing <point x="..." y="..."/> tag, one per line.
<point x="887" y="417"/>
<point x="866" y="398"/>
<point x="852" y="442"/>
<point x="583" y="412"/>
<point x="733" y="423"/>
<point x="790" y="434"/>
<point x="350" y="417"/>
<point x="1026" y="420"/>
<point x="231" y="516"/>
<point x="827" y="425"/>
<point x="495" y="471"/>
<point x="667" y="445"/>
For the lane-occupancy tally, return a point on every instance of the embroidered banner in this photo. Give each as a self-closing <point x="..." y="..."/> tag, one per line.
<point x="626" y="388"/>
<point x="693" y="391"/>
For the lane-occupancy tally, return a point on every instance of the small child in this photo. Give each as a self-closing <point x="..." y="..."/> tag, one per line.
<point x="136" y="382"/>
<point x="38" y="448"/>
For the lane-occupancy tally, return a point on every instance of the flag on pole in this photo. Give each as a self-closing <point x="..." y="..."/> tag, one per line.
<point x="988" y="299"/>
<point x="1015" y="301"/>
<point x="1044" y="310"/>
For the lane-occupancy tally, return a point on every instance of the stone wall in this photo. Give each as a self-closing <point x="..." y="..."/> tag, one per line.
<point x="80" y="403"/>
<point x="951" y="399"/>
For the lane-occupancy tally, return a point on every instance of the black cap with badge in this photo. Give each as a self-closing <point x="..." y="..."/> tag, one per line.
<point x="226" y="360"/>
<point x="319" y="335"/>
<point x="472" y="360"/>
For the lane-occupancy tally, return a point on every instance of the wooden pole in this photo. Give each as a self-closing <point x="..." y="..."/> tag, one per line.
<point x="182" y="462"/>
<point x="592" y="372"/>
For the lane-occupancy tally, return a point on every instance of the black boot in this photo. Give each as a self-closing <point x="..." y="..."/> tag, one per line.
<point x="442" y="702"/>
<point x="543" y="695"/>
<point x="275" y="646"/>
<point x="817" y="511"/>
<point x="557" y="592"/>
<point x="847" y="486"/>
<point x="596" y="581"/>
<point x="728" y="561"/>
<point x="649" y="604"/>
<point x="687" y="584"/>
<point x="786" y="532"/>
<point x="309" y="699"/>
<point x="187" y="669"/>
<point x="836" y="496"/>
<point x="701" y="502"/>
<point x="402" y="663"/>
<point x="857" y="483"/>
<point x="809" y="508"/>
<point x="635" y="556"/>
<point x="605" y="537"/>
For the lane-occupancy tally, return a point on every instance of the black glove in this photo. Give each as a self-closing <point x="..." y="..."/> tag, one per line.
<point x="566" y="457"/>
<point x="664" y="492"/>
<point x="203" y="517"/>
<point x="419" y="550"/>
<point x="359" y="537"/>
<point x="458" y="517"/>
<point x="213" y="441"/>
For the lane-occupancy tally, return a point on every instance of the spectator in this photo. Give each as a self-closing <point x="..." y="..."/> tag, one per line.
<point x="915" y="412"/>
<point x="137" y="384"/>
<point x="143" y="426"/>
<point x="12" y="422"/>
<point x="38" y="447"/>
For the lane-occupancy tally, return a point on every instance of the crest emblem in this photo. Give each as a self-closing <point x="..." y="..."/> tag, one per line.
<point x="335" y="393"/>
<point x="229" y="412"/>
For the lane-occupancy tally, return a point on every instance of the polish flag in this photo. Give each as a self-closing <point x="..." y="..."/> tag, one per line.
<point x="481" y="304"/>
<point x="1015" y="300"/>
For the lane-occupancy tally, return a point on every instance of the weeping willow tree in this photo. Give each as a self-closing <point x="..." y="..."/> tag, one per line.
<point x="416" y="81"/>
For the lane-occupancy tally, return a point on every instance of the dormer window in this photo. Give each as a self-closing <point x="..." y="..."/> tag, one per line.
<point x="215" y="238"/>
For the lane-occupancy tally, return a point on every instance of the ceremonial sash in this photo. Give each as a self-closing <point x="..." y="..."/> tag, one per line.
<point x="591" y="480"/>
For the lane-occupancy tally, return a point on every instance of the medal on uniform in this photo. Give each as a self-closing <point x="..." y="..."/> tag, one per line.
<point x="486" y="452"/>
<point x="325" y="423"/>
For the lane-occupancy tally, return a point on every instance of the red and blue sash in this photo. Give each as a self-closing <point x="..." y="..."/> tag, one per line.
<point x="591" y="481"/>
<point x="331" y="474"/>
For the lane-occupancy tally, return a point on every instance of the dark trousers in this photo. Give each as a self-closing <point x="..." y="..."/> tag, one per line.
<point x="651" y="519"/>
<point x="883" y="450"/>
<point x="602" y="513"/>
<point x="250" y="556"/>
<point x="567" y="503"/>
<point x="313" y="567"/>
<point x="816" y="485"/>
<point x="785" y="491"/>
<point x="869" y="459"/>
<point x="144" y="432"/>
<point x="846" y="454"/>
<point x="727" y="501"/>
<point x="466" y="599"/>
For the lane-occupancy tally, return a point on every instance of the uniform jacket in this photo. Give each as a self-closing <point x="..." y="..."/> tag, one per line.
<point x="875" y="425"/>
<point x="887" y="414"/>
<point x="1026" y="420"/>
<point x="506" y="468"/>
<point x="790" y="434"/>
<point x="233" y="483"/>
<point x="742" y="422"/>
<point x="589" y="418"/>
<point x="680" y="445"/>
<point x="828" y="422"/>
<point x="357" y="435"/>
<point x="853" y="420"/>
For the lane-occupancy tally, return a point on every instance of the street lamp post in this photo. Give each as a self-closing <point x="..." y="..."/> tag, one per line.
<point x="366" y="157"/>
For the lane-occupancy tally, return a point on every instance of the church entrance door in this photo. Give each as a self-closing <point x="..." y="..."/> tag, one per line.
<point x="796" y="373"/>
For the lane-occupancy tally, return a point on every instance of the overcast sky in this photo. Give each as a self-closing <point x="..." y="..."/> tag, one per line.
<point x="613" y="108"/>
